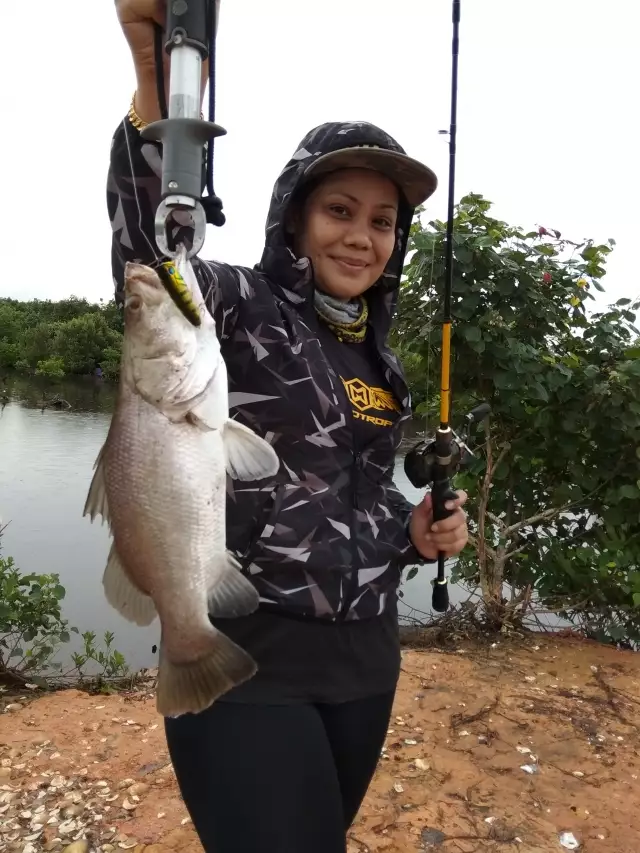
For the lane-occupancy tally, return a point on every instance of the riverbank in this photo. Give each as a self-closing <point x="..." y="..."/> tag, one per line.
<point x="491" y="747"/>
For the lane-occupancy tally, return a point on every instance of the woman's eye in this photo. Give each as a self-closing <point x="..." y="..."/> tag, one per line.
<point x="384" y="223"/>
<point x="339" y="209"/>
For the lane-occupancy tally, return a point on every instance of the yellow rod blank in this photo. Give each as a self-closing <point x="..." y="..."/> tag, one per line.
<point x="445" y="378"/>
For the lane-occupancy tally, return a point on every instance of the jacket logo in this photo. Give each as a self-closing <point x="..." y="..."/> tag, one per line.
<point x="364" y="398"/>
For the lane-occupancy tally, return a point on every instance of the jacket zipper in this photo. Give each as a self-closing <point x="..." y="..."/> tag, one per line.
<point x="352" y="589"/>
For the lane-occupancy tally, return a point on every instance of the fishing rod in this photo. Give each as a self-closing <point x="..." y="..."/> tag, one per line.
<point x="435" y="460"/>
<point x="190" y="35"/>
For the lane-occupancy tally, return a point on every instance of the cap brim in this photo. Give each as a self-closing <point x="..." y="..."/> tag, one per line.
<point x="416" y="180"/>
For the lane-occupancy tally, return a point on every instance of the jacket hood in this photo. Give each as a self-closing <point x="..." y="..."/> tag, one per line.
<point x="293" y="275"/>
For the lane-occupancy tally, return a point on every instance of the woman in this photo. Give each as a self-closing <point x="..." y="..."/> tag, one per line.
<point x="282" y="762"/>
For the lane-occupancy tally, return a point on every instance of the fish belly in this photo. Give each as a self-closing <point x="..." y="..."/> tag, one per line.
<point x="166" y="491"/>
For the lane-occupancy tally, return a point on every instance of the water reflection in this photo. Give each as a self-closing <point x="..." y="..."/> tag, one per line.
<point x="46" y="462"/>
<point x="84" y="394"/>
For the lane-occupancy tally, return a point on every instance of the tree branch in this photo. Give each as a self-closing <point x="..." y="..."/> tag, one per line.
<point x="517" y="550"/>
<point x="503" y="452"/>
<point x="497" y="521"/>
<point x="534" y="519"/>
<point x="474" y="544"/>
<point x="551" y="513"/>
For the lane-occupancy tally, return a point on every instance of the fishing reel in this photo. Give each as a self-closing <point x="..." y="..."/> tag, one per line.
<point x="420" y="463"/>
<point x="433" y="462"/>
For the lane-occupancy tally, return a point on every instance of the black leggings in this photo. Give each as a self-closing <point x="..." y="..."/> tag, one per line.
<point x="278" y="778"/>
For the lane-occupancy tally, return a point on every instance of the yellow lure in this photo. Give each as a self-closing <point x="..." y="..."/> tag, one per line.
<point x="178" y="290"/>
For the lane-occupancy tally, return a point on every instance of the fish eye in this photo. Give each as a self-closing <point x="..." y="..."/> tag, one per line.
<point x="133" y="303"/>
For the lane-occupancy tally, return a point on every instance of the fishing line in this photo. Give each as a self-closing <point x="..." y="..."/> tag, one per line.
<point x="125" y="125"/>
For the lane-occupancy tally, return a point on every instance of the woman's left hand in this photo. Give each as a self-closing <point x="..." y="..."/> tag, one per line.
<point x="449" y="535"/>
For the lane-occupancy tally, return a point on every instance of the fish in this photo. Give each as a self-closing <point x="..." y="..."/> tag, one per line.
<point x="159" y="482"/>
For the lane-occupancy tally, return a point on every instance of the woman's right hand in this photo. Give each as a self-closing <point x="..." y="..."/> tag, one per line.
<point x="137" y="18"/>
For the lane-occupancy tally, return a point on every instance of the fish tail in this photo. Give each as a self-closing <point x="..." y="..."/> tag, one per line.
<point x="194" y="686"/>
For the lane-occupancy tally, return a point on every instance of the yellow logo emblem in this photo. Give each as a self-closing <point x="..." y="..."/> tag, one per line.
<point x="363" y="397"/>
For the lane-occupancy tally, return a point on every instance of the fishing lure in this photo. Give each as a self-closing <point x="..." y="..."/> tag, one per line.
<point x="178" y="290"/>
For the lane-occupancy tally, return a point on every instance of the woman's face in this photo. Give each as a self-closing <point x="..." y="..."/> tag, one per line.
<point x="349" y="230"/>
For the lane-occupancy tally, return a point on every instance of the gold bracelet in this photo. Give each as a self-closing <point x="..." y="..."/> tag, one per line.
<point x="133" y="116"/>
<point x="135" y="119"/>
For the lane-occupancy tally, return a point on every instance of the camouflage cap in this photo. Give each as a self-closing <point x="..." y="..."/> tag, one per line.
<point x="416" y="180"/>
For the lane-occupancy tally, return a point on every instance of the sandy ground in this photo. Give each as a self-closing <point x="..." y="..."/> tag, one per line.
<point x="531" y="748"/>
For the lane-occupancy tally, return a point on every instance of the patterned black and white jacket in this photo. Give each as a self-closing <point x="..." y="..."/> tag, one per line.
<point x="327" y="537"/>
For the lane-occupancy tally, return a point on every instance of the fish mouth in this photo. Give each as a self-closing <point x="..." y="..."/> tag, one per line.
<point x="142" y="286"/>
<point x="135" y="273"/>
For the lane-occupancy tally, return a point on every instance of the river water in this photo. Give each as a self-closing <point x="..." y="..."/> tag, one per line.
<point x="46" y="461"/>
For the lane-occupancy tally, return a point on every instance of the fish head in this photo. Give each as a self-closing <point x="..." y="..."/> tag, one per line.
<point x="154" y="326"/>
<point x="166" y="359"/>
<point x="160" y="344"/>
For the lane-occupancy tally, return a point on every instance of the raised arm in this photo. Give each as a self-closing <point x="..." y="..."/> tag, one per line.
<point x="135" y="170"/>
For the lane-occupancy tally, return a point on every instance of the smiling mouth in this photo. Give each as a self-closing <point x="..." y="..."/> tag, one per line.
<point x="352" y="265"/>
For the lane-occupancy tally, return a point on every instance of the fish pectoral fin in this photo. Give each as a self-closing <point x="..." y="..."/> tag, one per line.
<point x="208" y="414"/>
<point x="123" y="595"/>
<point x="248" y="457"/>
<point x="96" y="503"/>
<point x="231" y="593"/>
<point x="192" y="687"/>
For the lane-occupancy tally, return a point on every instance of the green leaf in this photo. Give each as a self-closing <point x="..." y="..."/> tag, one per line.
<point x="471" y="333"/>
<point x="477" y="346"/>
<point x="629" y="492"/>
<point x="506" y="286"/>
<point x="501" y="472"/>
<point x="563" y="369"/>
<point x="6" y="611"/>
<point x="501" y="379"/>
<point x="540" y="392"/>
<point x="617" y="632"/>
<point x="636" y="599"/>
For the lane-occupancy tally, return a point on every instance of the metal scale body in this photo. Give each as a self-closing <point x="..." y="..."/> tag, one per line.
<point x="190" y="39"/>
